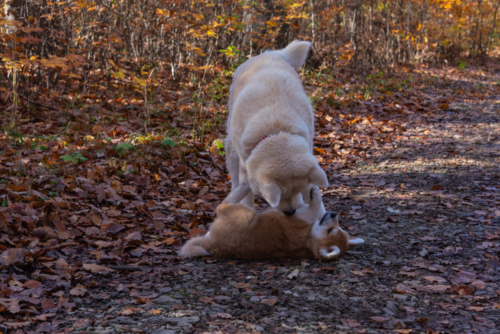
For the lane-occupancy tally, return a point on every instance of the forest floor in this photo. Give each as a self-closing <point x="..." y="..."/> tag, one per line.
<point x="415" y="173"/>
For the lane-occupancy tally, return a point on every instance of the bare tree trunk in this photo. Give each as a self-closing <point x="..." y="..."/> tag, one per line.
<point x="10" y="16"/>
<point x="408" y="22"/>
<point x="312" y="22"/>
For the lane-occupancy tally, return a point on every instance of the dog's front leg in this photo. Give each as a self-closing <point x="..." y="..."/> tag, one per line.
<point x="243" y="178"/>
<point x="232" y="162"/>
<point x="237" y="194"/>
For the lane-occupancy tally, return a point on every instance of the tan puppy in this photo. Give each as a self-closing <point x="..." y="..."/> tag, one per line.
<point x="270" y="129"/>
<point x="241" y="233"/>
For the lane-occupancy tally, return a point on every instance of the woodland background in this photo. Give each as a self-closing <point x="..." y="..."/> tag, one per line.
<point x="111" y="156"/>
<point x="114" y="53"/>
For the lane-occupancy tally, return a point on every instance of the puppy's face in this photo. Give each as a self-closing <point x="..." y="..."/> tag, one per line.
<point x="329" y="239"/>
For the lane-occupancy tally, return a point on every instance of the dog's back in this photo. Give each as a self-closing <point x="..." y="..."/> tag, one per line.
<point x="267" y="91"/>
<point x="287" y="60"/>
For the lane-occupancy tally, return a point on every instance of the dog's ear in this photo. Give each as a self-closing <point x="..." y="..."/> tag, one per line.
<point x="355" y="242"/>
<point x="329" y="254"/>
<point x="318" y="177"/>
<point x="272" y="193"/>
<point x="296" y="53"/>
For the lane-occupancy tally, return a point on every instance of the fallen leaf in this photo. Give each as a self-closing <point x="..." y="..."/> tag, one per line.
<point x="112" y="228"/>
<point x="438" y="279"/>
<point x="79" y="290"/>
<point x="134" y="236"/>
<point x="221" y="315"/>
<point x="44" y="317"/>
<point x="32" y="284"/>
<point x="462" y="290"/>
<point x="13" y="256"/>
<point x="206" y="300"/>
<point x="350" y="322"/>
<point x="15" y="325"/>
<point x="478" y="284"/>
<point x="48" y="304"/>
<point x="400" y="288"/>
<point x="95" y="268"/>
<point x="438" y="287"/>
<point x="380" y="319"/>
<point x="271" y="301"/>
<point x="128" y="311"/>
<point x="101" y="194"/>
<point x="476" y="308"/>
<point x="293" y="274"/>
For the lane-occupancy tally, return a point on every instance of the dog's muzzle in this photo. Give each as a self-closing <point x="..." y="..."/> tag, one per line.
<point x="289" y="212"/>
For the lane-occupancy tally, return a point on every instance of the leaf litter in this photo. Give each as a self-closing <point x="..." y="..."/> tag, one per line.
<point x="91" y="245"/>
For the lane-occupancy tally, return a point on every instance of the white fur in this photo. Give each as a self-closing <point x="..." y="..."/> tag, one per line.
<point x="319" y="230"/>
<point x="294" y="54"/>
<point x="195" y="251"/>
<point x="267" y="100"/>
<point x="332" y="254"/>
<point x="356" y="242"/>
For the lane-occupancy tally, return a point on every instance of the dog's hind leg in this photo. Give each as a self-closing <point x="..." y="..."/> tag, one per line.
<point x="196" y="247"/>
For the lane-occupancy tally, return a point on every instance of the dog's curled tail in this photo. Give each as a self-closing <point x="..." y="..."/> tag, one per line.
<point x="195" y="247"/>
<point x="294" y="54"/>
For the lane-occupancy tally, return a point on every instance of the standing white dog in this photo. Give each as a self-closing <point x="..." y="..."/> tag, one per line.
<point x="271" y="128"/>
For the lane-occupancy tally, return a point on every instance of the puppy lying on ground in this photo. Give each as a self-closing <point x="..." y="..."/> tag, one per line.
<point x="270" y="130"/>
<point x="241" y="233"/>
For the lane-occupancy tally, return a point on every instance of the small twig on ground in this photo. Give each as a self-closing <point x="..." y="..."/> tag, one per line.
<point x="124" y="268"/>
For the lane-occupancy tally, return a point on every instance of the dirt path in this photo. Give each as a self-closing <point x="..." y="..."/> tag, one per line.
<point x="427" y="203"/>
<point x="429" y="210"/>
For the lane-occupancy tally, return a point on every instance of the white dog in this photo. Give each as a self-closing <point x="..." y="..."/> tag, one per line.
<point x="270" y="130"/>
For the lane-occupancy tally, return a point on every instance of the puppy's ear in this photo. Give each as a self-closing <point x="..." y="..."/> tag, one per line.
<point x="318" y="177"/>
<point x="355" y="242"/>
<point x="329" y="254"/>
<point x="272" y="194"/>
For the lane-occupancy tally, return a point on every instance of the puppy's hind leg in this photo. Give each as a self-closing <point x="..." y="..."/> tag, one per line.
<point x="196" y="247"/>
<point x="306" y="194"/>
<point x="315" y="200"/>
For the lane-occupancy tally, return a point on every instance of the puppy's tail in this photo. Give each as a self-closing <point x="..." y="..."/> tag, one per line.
<point x="294" y="54"/>
<point x="195" y="247"/>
